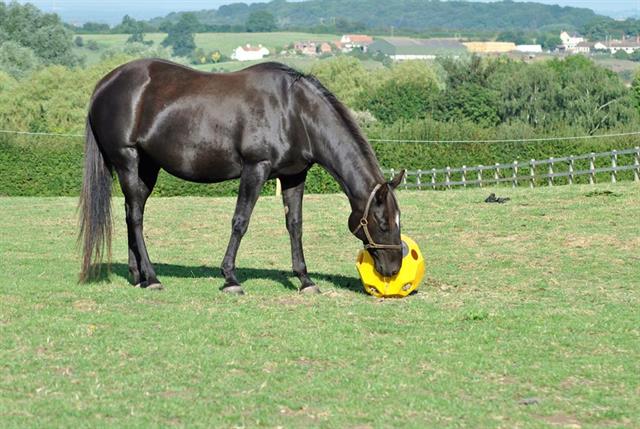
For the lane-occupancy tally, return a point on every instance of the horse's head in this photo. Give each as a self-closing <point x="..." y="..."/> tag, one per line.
<point x="378" y="226"/>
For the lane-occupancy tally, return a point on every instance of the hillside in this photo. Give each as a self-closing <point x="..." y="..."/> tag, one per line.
<point x="415" y="15"/>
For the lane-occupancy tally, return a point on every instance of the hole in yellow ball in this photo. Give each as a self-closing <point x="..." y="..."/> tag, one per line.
<point x="414" y="254"/>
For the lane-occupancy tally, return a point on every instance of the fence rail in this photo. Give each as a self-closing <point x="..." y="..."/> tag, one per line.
<point x="589" y="168"/>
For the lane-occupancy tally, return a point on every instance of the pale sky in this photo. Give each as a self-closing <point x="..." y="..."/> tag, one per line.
<point x="112" y="11"/>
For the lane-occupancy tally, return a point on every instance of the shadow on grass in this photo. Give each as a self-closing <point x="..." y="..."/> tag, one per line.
<point x="244" y="274"/>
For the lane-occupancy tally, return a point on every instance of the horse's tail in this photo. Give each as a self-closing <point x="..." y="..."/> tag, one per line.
<point x="95" y="208"/>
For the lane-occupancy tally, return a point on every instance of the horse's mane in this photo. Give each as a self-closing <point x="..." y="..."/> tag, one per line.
<point x="342" y="110"/>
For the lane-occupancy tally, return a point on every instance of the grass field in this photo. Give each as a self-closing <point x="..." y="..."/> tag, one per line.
<point x="528" y="317"/>
<point x="225" y="42"/>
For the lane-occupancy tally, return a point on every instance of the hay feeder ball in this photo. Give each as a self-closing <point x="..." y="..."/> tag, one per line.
<point x="400" y="285"/>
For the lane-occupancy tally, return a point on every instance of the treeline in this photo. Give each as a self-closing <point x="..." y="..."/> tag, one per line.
<point x="30" y="38"/>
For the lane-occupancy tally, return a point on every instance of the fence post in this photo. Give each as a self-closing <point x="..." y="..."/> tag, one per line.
<point x="514" y="176"/>
<point x="278" y="188"/>
<point x="433" y="178"/>
<point x="614" y="166"/>
<point x="480" y="175"/>
<point x="532" y="174"/>
<point x="636" y="163"/>
<point x="550" y="178"/>
<point x="592" y="168"/>
<point x="419" y="179"/>
<point x="464" y="176"/>
<point x="404" y="180"/>
<point x="448" y="179"/>
<point x="392" y="174"/>
<point x="571" y="170"/>
<point x="496" y="174"/>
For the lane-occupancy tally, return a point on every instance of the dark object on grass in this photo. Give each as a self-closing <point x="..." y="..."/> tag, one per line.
<point x="493" y="199"/>
<point x="529" y="401"/>
<point x="264" y="122"/>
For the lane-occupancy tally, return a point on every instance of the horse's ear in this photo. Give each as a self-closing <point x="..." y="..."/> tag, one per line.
<point x="396" y="181"/>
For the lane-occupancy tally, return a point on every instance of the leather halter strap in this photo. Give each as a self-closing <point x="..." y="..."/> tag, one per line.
<point x="364" y="224"/>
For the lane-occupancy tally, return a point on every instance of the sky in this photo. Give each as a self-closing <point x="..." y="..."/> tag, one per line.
<point x="112" y="11"/>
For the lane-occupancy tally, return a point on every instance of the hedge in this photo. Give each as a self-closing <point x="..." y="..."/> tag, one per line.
<point x="39" y="167"/>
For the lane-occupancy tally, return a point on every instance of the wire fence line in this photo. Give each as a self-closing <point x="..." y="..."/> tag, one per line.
<point x="589" y="168"/>
<point x="529" y="140"/>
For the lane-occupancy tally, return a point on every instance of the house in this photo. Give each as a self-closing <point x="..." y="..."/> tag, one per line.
<point x="599" y="46"/>
<point x="349" y="42"/>
<point x="583" y="48"/>
<point x="490" y="47"/>
<point x="249" y="53"/>
<point x="627" y="45"/>
<point x="529" y="49"/>
<point x="325" y="48"/>
<point x="570" y="41"/>
<point x="405" y="48"/>
<point x="306" y="48"/>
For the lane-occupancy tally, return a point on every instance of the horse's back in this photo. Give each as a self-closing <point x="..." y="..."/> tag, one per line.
<point x="198" y="126"/>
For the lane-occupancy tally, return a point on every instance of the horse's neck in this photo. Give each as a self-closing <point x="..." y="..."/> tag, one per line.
<point x="352" y="163"/>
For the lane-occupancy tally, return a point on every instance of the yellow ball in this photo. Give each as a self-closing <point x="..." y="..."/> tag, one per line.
<point x="400" y="285"/>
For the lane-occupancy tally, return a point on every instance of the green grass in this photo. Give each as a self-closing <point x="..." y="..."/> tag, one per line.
<point x="225" y="42"/>
<point x="535" y="300"/>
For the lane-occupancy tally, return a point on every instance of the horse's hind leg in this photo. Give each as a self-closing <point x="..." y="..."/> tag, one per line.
<point x="251" y="182"/>
<point x="137" y="178"/>
<point x="292" y="192"/>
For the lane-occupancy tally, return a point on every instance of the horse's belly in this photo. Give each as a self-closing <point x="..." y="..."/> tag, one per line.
<point x="204" y="161"/>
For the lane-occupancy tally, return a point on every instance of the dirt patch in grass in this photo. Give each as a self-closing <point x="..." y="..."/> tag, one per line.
<point x="562" y="420"/>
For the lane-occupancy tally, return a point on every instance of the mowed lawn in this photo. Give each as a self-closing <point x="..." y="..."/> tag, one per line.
<point x="529" y="317"/>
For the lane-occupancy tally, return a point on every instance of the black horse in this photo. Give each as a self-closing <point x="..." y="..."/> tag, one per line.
<point x="266" y="121"/>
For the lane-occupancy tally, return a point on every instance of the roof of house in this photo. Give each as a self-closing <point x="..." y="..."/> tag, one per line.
<point x="410" y="46"/>
<point x="629" y="43"/>
<point x="585" y="45"/>
<point x="249" y="48"/>
<point x="359" y="38"/>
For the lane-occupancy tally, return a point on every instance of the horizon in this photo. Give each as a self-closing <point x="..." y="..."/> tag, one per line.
<point x="112" y="11"/>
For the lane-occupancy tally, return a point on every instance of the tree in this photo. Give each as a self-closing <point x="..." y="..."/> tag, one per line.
<point x="43" y="33"/>
<point x="261" y="22"/>
<point x="79" y="41"/>
<point x="17" y="60"/>
<point x="181" y="35"/>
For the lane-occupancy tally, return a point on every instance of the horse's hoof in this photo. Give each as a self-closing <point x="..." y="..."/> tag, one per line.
<point x="311" y="290"/>
<point x="152" y="286"/>
<point x="233" y="290"/>
<point x="155" y="286"/>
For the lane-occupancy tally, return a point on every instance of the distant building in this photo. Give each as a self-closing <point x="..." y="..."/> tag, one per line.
<point x="405" y="48"/>
<point x="599" y="46"/>
<point x="628" y="45"/>
<point x="249" y="53"/>
<point x="583" y="48"/>
<point x="325" y="48"/>
<point x="349" y="42"/>
<point x="490" y="47"/>
<point x="529" y="49"/>
<point x="570" y="41"/>
<point x="306" y="48"/>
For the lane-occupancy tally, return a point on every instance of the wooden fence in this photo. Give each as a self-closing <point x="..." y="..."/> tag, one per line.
<point x="591" y="168"/>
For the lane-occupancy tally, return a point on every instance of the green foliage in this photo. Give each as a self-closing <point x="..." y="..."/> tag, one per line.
<point x="621" y="55"/>
<point x="43" y="33"/>
<point x="78" y="41"/>
<point x="17" y="60"/>
<point x="261" y="22"/>
<point x="357" y="15"/>
<point x="345" y="76"/>
<point x="635" y="90"/>
<point x="181" y="35"/>
<point x="92" y="45"/>
<point x="516" y="36"/>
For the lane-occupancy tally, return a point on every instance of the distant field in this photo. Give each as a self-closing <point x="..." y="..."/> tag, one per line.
<point x="225" y="42"/>
<point x="624" y="68"/>
<point x="527" y="318"/>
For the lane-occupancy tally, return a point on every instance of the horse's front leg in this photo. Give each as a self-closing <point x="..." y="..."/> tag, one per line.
<point x="251" y="182"/>
<point x="292" y="191"/>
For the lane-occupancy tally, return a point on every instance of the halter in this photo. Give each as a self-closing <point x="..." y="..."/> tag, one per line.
<point x="364" y="224"/>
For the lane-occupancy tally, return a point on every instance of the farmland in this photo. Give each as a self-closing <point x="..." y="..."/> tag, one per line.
<point x="527" y="318"/>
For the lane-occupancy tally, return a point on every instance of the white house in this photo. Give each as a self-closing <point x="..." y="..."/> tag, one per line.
<point x="570" y="42"/>
<point x="529" y="49"/>
<point x="583" y="48"/>
<point x="629" y="46"/>
<point x="249" y="53"/>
